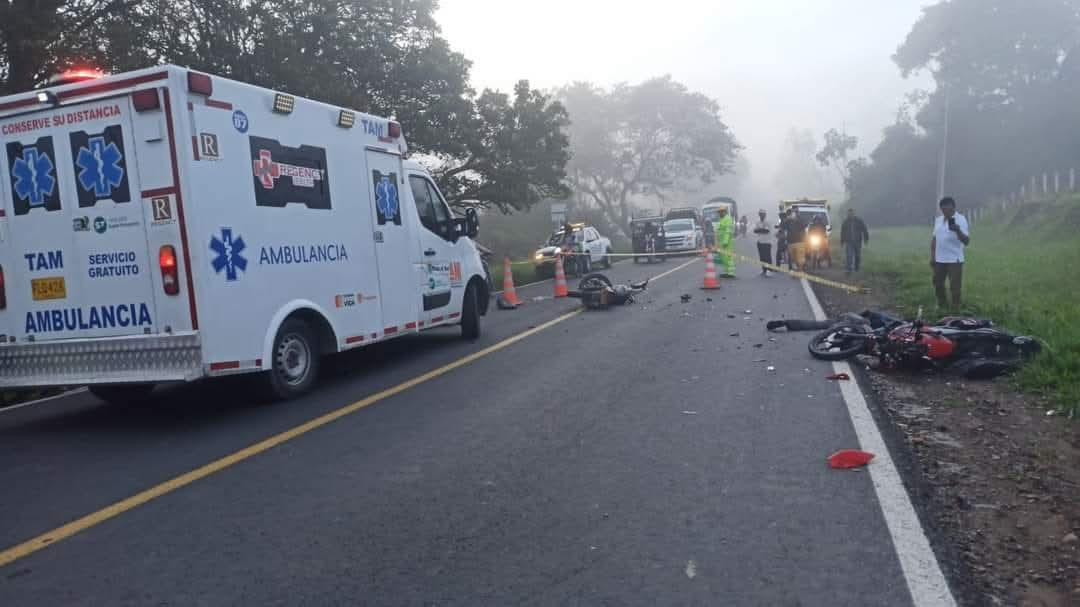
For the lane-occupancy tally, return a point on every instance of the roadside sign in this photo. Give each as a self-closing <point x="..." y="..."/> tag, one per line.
<point x="558" y="212"/>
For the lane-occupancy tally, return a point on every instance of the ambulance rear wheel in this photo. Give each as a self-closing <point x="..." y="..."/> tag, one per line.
<point x="470" y="313"/>
<point x="122" y="395"/>
<point x="295" y="363"/>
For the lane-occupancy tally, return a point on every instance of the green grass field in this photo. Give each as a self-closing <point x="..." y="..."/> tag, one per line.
<point x="524" y="273"/>
<point x="1020" y="271"/>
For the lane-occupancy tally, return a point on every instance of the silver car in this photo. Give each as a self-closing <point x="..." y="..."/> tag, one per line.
<point x="682" y="235"/>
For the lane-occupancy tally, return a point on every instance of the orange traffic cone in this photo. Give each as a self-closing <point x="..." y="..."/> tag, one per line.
<point x="710" y="273"/>
<point x="560" y="278"/>
<point x="509" y="293"/>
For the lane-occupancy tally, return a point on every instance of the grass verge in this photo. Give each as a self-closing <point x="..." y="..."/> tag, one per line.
<point x="1019" y="272"/>
<point x="524" y="273"/>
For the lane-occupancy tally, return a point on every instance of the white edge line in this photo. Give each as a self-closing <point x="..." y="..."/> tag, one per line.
<point x="41" y="400"/>
<point x="923" y="574"/>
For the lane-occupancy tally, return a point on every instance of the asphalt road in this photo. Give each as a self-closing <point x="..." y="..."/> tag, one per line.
<point x="638" y="456"/>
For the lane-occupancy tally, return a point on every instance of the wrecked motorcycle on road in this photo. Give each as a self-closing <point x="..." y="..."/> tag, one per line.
<point x="597" y="292"/>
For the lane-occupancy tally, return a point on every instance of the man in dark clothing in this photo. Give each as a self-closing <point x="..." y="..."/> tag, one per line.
<point x="795" y="229"/>
<point x="853" y="235"/>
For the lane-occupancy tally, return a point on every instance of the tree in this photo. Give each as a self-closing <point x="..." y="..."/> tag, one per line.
<point x="39" y="38"/>
<point x="798" y="173"/>
<point x="386" y="57"/>
<point x="1009" y="70"/>
<point x="643" y="141"/>
<point x="515" y="155"/>
<point x="834" y="153"/>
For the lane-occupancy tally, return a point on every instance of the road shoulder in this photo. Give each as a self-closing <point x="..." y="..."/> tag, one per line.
<point x="992" y="475"/>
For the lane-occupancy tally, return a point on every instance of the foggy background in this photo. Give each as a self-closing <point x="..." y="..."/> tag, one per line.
<point x="773" y="65"/>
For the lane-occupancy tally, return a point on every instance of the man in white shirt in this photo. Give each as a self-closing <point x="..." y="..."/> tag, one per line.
<point x="950" y="236"/>
<point x="764" y="241"/>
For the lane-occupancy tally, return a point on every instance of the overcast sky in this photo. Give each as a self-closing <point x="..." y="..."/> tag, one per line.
<point x="772" y="64"/>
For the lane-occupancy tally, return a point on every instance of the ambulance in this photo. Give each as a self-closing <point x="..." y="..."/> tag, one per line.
<point x="166" y="225"/>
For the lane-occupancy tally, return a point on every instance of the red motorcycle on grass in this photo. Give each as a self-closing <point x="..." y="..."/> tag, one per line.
<point x="971" y="346"/>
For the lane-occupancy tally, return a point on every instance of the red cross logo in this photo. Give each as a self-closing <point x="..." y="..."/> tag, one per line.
<point x="266" y="169"/>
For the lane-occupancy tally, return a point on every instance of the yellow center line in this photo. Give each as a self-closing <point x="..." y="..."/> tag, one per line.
<point x="79" y="525"/>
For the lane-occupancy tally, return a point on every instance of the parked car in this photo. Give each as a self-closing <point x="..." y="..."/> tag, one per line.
<point x="647" y="238"/>
<point x="685" y="213"/>
<point x="682" y="235"/>
<point x="598" y="248"/>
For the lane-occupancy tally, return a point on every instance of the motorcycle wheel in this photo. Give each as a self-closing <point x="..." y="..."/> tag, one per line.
<point x="594" y="282"/>
<point x="839" y="342"/>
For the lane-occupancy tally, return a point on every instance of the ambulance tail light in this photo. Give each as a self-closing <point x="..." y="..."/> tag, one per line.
<point x="394" y="130"/>
<point x="3" y="290"/>
<point x="170" y="278"/>
<point x="200" y="83"/>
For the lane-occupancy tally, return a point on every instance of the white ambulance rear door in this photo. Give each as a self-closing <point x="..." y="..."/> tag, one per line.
<point x="79" y="264"/>
<point x="395" y="241"/>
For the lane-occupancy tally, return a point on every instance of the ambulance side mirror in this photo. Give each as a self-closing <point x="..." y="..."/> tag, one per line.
<point x="472" y="223"/>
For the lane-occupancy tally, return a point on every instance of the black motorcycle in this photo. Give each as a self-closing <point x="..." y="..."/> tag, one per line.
<point x="596" y="292"/>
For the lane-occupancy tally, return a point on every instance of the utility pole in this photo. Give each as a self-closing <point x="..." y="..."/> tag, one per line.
<point x="944" y="148"/>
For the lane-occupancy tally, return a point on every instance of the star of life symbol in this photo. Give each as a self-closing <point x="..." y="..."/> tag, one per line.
<point x="99" y="167"/>
<point x="268" y="171"/>
<point x="34" y="181"/>
<point x="386" y="197"/>
<point x="228" y="254"/>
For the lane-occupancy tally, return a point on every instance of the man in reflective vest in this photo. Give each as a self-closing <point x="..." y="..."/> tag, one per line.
<point x="725" y="243"/>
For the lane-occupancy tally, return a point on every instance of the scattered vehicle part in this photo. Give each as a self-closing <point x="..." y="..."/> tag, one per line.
<point x="847" y="459"/>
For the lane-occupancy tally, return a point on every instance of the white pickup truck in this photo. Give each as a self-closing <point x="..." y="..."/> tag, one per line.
<point x="598" y="248"/>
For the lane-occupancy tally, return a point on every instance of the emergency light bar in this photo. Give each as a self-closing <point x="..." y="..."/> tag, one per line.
<point x="200" y="83"/>
<point x="145" y="100"/>
<point x="48" y="97"/>
<point x="284" y="104"/>
<point x="346" y="119"/>
<point x="78" y="75"/>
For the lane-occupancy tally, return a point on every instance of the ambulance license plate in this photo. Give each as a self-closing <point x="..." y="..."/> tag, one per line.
<point x="48" y="288"/>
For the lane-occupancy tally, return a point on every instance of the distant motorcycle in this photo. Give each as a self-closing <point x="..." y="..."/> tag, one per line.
<point x="818" y="252"/>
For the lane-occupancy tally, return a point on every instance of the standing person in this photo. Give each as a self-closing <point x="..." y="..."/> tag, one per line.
<point x="725" y="243"/>
<point x="764" y="241"/>
<point x="796" y="238"/>
<point x="782" y="254"/>
<point x="572" y="261"/>
<point x="950" y="236"/>
<point x="853" y="235"/>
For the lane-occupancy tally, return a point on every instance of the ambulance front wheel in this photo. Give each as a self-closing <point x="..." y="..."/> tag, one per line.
<point x="295" y="363"/>
<point x="470" y="313"/>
